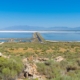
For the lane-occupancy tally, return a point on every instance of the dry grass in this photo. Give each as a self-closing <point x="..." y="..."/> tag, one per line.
<point x="20" y="50"/>
<point x="49" y="51"/>
<point x="39" y="48"/>
<point x="62" y="49"/>
<point x="31" y="50"/>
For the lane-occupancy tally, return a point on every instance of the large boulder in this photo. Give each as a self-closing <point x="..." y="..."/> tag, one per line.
<point x="30" y="70"/>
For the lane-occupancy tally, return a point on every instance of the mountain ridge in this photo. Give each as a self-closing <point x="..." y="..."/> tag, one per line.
<point x="26" y="27"/>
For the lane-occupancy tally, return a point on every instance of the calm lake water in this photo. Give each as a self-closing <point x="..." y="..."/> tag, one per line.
<point x="62" y="36"/>
<point x="48" y="36"/>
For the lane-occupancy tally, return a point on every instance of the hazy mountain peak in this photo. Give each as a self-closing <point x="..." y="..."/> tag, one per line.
<point x="26" y="27"/>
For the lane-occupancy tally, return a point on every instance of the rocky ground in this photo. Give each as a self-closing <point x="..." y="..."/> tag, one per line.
<point x="30" y="70"/>
<point x="30" y="67"/>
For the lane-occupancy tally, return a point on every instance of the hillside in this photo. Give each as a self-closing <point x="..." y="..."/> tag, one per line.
<point x="36" y="61"/>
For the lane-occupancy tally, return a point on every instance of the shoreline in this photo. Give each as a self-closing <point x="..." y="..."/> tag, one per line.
<point x="61" y="41"/>
<point x="45" y="40"/>
<point x="16" y="31"/>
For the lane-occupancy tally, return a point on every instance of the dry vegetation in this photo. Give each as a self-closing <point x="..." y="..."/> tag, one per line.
<point x="69" y="69"/>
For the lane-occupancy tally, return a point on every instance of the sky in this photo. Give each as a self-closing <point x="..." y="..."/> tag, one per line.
<point x="44" y="13"/>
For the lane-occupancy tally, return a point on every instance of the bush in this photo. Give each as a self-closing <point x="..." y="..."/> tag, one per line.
<point x="10" y="68"/>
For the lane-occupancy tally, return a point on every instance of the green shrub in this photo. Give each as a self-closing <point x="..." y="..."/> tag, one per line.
<point x="10" y="68"/>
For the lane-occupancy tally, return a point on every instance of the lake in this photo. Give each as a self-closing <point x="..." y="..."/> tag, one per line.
<point x="54" y="36"/>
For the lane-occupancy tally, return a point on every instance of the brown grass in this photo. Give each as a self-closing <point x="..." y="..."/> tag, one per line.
<point x="20" y="50"/>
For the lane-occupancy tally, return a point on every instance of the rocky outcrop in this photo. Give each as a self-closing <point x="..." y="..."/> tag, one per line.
<point x="30" y="70"/>
<point x="59" y="59"/>
<point x="40" y="60"/>
<point x="43" y="59"/>
<point x="0" y="54"/>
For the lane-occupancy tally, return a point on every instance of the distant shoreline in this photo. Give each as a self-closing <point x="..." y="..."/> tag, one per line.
<point x="16" y="31"/>
<point x="61" y="41"/>
<point x="43" y="33"/>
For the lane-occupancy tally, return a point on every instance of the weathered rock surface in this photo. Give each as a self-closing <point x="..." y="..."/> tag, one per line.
<point x="59" y="59"/>
<point x="30" y="70"/>
<point x="0" y="54"/>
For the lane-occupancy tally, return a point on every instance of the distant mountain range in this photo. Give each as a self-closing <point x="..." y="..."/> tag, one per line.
<point x="39" y="28"/>
<point x="23" y="28"/>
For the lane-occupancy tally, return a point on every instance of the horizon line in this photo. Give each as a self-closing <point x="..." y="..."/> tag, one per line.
<point x="45" y="31"/>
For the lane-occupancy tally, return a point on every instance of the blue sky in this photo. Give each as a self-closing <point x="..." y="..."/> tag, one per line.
<point x="46" y="13"/>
